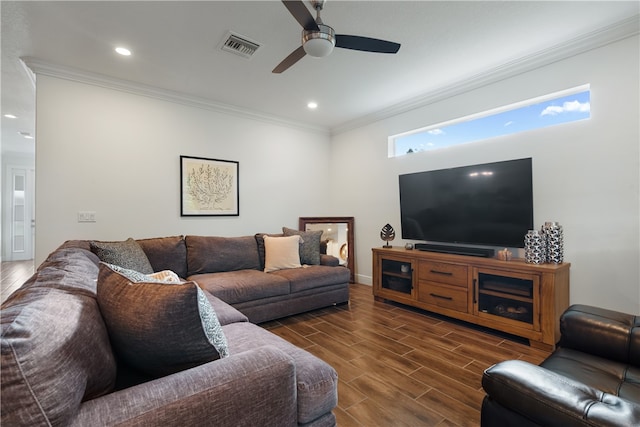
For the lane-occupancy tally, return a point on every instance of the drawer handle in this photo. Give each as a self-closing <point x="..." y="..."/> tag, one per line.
<point x="444" y="273"/>
<point x="441" y="296"/>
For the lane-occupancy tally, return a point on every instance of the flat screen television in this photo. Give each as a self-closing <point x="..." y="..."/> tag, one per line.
<point x="487" y="204"/>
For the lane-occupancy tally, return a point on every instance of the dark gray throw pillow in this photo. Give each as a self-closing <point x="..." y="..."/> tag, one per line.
<point x="157" y="327"/>
<point x="127" y="254"/>
<point x="310" y="247"/>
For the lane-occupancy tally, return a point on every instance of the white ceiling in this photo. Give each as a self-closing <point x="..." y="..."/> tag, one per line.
<point x="176" y="48"/>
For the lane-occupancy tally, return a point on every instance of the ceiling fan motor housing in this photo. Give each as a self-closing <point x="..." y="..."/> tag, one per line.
<point x="319" y="43"/>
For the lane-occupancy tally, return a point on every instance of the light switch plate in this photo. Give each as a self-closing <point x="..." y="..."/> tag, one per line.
<point x="86" y="216"/>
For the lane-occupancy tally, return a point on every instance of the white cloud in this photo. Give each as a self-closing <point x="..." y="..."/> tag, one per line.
<point x="509" y="123"/>
<point x="436" y="132"/>
<point x="567" y="107"/>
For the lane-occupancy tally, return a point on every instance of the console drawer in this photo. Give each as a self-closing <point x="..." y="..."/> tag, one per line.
<point x="450" y="297"/>
<point x="443" y="272"/>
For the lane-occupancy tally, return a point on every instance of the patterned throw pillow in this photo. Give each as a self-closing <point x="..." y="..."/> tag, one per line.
<point x="127" y="254"/>
<point x="281" y="253"/>
<point x="310" y="246"/>
<point x="166" y="276"/>
<point x="153" y="324"/>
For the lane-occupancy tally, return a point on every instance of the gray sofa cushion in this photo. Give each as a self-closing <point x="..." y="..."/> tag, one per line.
<point x="55" y="350"/>
<point x="256" y="388"/>
<point x="329" y="260"/>
<point x="211" y="254"/>
<point x="126" y="254"/>
<point x="226" y="314"/>
<point x="159" y="328"/>
<point x="239" y="286"/>
<point x="310" y="245"/>
<point x="166" y="253"/>
<point x="313" y="276"/>
<point x="316" y="381"/>
<point x="71" y="269"/>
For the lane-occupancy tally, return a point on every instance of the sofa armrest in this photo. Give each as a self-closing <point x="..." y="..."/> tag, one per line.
<point x="550" y="399"/>
<point x="600" y="332"/>
<point x="256" y="387"/>
<point x="329" y="260"/>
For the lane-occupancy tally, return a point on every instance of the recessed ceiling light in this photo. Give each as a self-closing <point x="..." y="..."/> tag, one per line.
<point x="10" y="116"/>
<point x="123" y="51"/>
<point x="312" y="105"/>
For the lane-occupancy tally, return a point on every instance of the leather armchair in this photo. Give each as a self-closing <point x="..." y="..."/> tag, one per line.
<point x="591" y="379"/>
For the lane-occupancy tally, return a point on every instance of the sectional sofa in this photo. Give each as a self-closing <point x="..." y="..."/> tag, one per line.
<point x="232" y="269"/>
<point x="91" y="342"/>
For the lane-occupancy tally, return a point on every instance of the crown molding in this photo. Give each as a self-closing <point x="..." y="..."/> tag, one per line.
<point x="621" y="30"/>
<point x="624" y="29"/>
<point x="40" y="67"/>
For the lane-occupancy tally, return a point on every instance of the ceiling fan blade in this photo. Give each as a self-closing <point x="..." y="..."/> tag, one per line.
<point x="366" y="44"/>
<point x="293" y="57"/>
<point x="302" y="14"/>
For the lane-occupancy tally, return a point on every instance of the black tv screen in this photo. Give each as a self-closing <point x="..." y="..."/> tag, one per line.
<point x="488" y="204"/>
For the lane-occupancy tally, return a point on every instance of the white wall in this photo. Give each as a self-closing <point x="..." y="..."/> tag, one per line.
<point x="117" y="154"/>
<point x="586" y="174"/>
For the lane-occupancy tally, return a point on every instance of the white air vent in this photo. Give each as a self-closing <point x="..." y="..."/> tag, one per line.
<point x="240" y="45"/>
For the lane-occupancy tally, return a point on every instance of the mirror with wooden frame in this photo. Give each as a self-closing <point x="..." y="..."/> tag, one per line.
<point x="337" y="233"/>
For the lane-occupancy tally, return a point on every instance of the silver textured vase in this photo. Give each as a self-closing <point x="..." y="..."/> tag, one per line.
<point x="555" y="245"/>
<point x="535" y="247"/>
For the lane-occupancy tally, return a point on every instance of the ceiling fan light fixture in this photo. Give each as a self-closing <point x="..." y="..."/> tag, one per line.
<point x="318" y="40"/>
<point x="319" y="43"/>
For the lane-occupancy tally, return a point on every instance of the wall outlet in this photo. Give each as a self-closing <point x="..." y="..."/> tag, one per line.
<point x="86" y="216"/>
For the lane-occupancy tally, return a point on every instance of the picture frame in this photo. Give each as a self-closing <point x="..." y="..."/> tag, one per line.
<point x="209" y="187"/>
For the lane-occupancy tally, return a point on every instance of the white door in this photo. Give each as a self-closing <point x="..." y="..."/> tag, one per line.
<point x="21" y="214"/>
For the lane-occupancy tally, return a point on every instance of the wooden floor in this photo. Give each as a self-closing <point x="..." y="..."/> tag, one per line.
<point x="397" y="366"/>
<point x="12" y="275"/>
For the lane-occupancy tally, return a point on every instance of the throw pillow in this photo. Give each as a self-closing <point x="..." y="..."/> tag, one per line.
<point x="166" y="276"/>
<point x="310" y="246"/>
<point x="281" y="253"/>
<point x="260" y="241"/>
<point x="158" y="327"/>
<point x="166" y="253"/>
<point x="127" y="254"/>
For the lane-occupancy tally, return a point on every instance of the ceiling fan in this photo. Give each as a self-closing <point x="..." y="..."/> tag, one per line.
<point x="319" y="40"/>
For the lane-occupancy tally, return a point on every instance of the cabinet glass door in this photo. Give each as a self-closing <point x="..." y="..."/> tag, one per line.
<point x="512" y="298"/>
<point x="397" y="276"/>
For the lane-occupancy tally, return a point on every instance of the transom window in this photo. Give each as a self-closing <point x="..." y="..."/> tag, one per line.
<point x="560" y="107"/>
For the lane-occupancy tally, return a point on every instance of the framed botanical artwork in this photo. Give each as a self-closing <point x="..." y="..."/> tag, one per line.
<point x="209" y="187"/>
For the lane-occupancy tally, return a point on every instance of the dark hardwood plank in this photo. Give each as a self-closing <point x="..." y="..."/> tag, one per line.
<point x="369" y="413"/>
<point x="457" y="390"/>
<point x="454" y="371"/>
<point x="12" y="275"/>
<point x="450" y="408"/>
<point x="395" y="402"/>
<point x="400" y="366"/>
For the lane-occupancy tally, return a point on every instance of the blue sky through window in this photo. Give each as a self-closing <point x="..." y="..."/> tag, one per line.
<point x="562" y="109"/>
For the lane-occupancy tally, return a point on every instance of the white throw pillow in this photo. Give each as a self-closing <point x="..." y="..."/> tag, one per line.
<point x="281" y="253"/>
